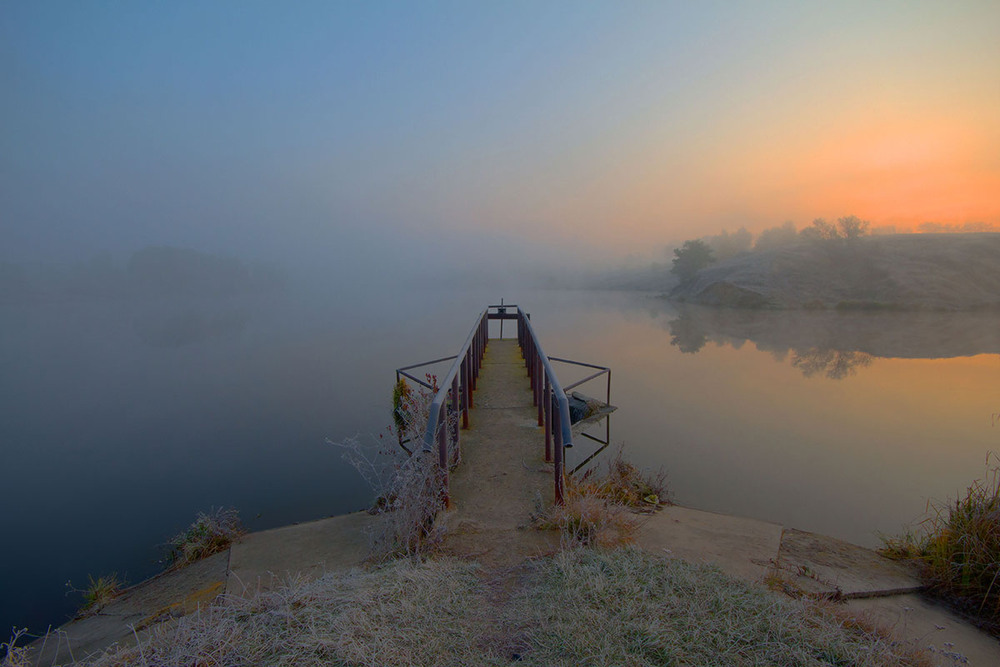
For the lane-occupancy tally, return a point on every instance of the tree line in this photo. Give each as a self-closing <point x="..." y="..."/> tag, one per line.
<point x="696" y="254"/>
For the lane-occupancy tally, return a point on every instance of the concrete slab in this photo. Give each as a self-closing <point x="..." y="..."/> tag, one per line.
<point x="743" y="548"/>
<point x="949" y="639"/>
<point x="168" y="595"/>
<point x="262" y="560"/>
<point x="820" y="565"/>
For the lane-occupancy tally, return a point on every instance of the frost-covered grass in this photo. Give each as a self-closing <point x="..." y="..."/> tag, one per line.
<point x="583" y="606"/>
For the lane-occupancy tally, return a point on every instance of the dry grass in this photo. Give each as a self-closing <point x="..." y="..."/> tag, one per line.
<point x="402" y="614"/>
<point x="581" y="607"/>
<point x="599" y="509"/>
<point x="630" y="608"/>
<point x="624" y="484"/>
<point x="587" y="518"/>
<point x="958" y="548"/>
<point x="409" y="488"/>
<point x="210" y="533"/>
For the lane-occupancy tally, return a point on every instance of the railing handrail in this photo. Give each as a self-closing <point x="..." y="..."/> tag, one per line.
<point x="565" y="425"/>
<point x="433" y="420"/>
<point x="458" y="385"/>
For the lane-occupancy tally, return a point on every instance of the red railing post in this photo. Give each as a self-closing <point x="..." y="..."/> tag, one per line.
<point x="453" y="418"/>
<point x="557" y="467"/>
<point x="442" y="438"/>
<point x="547" y="401"/>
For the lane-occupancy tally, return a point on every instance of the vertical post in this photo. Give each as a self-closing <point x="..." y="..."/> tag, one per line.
<point x="557" y="467"/>
<point x="453" y="417"/>
<point x="464" y="391"/>
<point x="442" y="438"/>
<point x="547" y="400"/>
<point x="543" y="381"/>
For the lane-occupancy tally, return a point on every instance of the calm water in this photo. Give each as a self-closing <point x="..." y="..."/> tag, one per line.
<point x="121" y="420"/>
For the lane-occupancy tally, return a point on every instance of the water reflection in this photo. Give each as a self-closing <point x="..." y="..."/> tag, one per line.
<point x="833" y="364"/>
<point x="835" y="344"/>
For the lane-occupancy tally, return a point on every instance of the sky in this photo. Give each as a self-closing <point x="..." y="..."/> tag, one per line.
<point x="367" y="131"/>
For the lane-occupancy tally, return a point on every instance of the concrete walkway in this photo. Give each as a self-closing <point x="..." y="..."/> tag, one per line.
<point x="502" y="478"/>
<point x="501" y="481"/>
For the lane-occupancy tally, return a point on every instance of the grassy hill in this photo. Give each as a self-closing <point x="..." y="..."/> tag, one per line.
<point x="902" y="272"/>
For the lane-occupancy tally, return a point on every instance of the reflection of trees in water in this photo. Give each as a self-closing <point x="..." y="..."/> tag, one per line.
<point x="686" y="334"/>
<point x="834" y="364"/>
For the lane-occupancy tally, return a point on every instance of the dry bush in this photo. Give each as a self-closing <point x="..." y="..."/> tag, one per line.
<point x="409" y="487"/>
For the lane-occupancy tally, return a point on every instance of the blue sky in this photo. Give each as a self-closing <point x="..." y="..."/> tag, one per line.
<point x="308" y="127"/>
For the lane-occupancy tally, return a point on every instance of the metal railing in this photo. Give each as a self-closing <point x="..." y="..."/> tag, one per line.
<point x="455" y="393"/>
<point x="550" y="398"/>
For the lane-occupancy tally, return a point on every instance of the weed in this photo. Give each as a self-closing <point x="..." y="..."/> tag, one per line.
<point x="210" y="533"/>
<point x="958" y="549"/>
<point x="409" y="487"/>
<point x="12" y="655"/>
<point x="624" y="484"/>
<point x="98" y="592"/>
<point x="101" y="591"/>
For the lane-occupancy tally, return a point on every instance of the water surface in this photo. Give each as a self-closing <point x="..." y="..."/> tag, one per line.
<point x="122" y="419"/>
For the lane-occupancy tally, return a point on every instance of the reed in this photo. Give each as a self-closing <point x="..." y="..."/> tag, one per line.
<point x="958" y="547"/>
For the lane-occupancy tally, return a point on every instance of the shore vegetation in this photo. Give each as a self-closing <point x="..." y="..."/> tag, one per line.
<point x="957" y="548"/>
<point x="210" y="533"/>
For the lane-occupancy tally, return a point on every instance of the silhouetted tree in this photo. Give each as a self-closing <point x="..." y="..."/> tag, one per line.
<point x="820" y="230"/>
<point x="691" y="258"/>
<point x="852" y="228"/>
<point x="774" y="237"/>
<point x="729" y="244"/>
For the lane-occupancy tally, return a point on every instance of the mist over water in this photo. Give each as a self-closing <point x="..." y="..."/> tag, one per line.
<point x="126" y="414"/>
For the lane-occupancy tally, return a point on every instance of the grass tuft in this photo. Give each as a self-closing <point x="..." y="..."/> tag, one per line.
<point x="958" y="548"/>
<point x="599" y="509"/>
<point x="100" y="592"/>
<point x="210" y="533"/>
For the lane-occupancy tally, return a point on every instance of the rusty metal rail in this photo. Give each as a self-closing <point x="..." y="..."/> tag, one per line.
<point x="550" y="398"/>
<point x="453" y="400"/>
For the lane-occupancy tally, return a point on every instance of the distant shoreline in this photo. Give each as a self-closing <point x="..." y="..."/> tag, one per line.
<point x="904" y="272"/>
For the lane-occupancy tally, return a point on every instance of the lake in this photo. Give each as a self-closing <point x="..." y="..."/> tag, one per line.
<point x="120" y="419"/>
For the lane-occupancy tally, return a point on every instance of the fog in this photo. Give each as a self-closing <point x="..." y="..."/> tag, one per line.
<point x="223" y="226"/>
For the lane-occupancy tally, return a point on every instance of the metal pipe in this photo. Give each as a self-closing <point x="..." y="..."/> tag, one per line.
<point x="586" y="379"/>
<point x="577" y="363"/>
<point x="427" y="363"/>
<point x="437" y="404"/>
